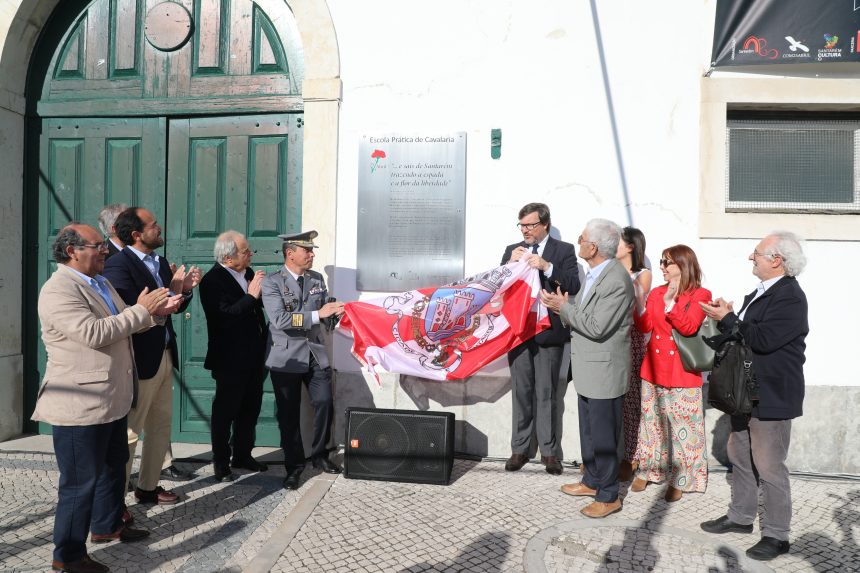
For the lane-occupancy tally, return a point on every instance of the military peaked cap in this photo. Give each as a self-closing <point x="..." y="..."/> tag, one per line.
<point x="305" y="239"/>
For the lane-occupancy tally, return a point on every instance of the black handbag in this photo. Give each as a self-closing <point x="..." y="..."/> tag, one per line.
<point x="732" y="386"/>
<point x="696" y="354"/>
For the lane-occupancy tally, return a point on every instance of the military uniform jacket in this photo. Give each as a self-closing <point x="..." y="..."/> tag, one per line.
<point x="292" y="334"/>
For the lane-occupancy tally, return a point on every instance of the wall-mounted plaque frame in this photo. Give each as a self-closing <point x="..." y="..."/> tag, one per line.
<point x="411" y="210"/>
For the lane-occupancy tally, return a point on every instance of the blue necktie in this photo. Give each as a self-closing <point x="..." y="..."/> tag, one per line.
<point x="152" y="265"/>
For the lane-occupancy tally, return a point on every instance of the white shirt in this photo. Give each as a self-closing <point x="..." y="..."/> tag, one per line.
<point x="240" y="277"/>
<point x="760" y="290"/>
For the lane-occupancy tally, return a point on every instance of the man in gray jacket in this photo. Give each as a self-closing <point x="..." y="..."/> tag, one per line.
<point x="600" y="317"/>
<point x="295" y="300"/>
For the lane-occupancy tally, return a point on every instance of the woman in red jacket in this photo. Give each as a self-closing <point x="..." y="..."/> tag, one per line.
<point x="672" y="428"/>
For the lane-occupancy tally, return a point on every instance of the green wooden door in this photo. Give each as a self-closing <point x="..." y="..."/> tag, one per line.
<point x="86" y="163"/>
<point x="241" y="173"/>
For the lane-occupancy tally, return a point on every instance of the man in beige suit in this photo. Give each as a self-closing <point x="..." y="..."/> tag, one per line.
<point x="600" y="317"/>
<point x="87" y="391"/>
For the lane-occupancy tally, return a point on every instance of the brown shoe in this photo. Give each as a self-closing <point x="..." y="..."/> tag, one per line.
<point x="672" y="494"/>
<point x="638" y="485"/>
<point x="82" y="565"/>
<point x="553" y="466"/>
<point x="625" y="471"/>
<point x="578" y="488"/>
<point x="516" y="462"/>
<point x="597" y="509"/>
<point x="124" y="534"/>
<point x="158" y="495"/>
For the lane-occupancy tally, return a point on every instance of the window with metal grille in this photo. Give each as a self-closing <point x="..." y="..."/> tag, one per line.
<point x="802" y="164"/>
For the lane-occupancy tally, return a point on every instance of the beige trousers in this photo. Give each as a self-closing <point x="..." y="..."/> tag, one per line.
<point x="151" y="417"/>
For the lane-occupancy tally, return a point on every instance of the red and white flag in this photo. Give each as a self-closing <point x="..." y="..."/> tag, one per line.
<point x="449" y="332"/>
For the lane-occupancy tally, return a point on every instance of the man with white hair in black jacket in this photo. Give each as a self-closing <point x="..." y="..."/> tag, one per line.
<point x="773" y="322"/>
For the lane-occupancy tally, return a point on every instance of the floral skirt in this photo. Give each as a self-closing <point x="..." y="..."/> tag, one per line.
<point x="672" y="437"/>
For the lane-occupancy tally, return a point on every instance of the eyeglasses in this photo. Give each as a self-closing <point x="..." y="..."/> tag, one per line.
<point x="580" y="240"/>
<point x="529" y="226"/>
<point x="758" y="254"/>
<point x="102" y="246"/>
<point x="666" y="262"/>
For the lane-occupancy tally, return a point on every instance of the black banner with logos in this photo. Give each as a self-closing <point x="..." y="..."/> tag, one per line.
<point x="755" y="32"/>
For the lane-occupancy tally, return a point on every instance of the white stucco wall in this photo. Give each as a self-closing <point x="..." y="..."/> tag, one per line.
<point x="534" y="71"/>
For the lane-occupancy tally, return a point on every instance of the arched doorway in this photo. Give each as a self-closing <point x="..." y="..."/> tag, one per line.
<point x="193" y="109"/>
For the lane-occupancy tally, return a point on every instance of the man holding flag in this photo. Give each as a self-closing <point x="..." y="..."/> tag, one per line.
<point x="536" y="363"/>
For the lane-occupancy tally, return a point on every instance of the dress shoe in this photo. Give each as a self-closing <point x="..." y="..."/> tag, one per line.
<point x="173" y="473"/>
<point x="124" y="534"/>
<point x="82" y="565"/>
<point x="223" y="473"/>
<point x="638" y="485"/>
<point x="158" y="495"/>
<point x="578" y="489"/>
<point x="250" y="464"/>
<point x="516" y="462"/>
<point x="326" y="465"/>
<point x="672" y="494"/>
<point x="724" y="525"/>
<point x="553" y="465"/>
<point x="625" y="470"/>
<point x="127" y="517"/>
<point x="292" y="479"/>
<point x="597" y="509"/>
<point x="767" y="549"/>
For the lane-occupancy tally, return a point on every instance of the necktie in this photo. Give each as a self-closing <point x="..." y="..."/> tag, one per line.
<point x="535" y="248"/>
<point x="301" y="281"/>
<point x="150" y="263"/>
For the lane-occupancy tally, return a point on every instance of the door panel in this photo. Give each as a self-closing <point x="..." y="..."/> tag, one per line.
<point x="86" y="163"/>
<point x="241" y="173"/>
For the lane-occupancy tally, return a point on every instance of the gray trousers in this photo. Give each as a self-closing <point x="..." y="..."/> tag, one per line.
<point x="757" y="450"/>
<point x="534" y="377"/>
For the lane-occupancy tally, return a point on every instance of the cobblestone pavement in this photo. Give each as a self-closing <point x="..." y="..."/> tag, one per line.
<point x="485" y="520"/>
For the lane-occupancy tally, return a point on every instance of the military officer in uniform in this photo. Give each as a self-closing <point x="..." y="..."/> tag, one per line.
<point x="295" y="300"/>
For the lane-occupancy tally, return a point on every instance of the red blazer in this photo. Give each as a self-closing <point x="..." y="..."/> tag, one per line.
<point x="662" y="364"/>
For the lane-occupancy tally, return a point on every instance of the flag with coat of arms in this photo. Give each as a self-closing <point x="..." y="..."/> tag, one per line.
<point x="448" y="332"/>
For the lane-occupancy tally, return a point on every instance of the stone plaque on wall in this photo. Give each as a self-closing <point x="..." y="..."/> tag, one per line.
<point x="411" y="210"/>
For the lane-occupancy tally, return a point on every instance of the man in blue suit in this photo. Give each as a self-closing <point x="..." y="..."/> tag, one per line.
<point x="155" y="352"/>
<point x="536" y="363"/>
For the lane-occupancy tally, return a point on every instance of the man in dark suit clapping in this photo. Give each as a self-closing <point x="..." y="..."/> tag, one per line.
<point x="155" y="352"/>
<point x="230" y="294"/>
<point x="535" y="364"/>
